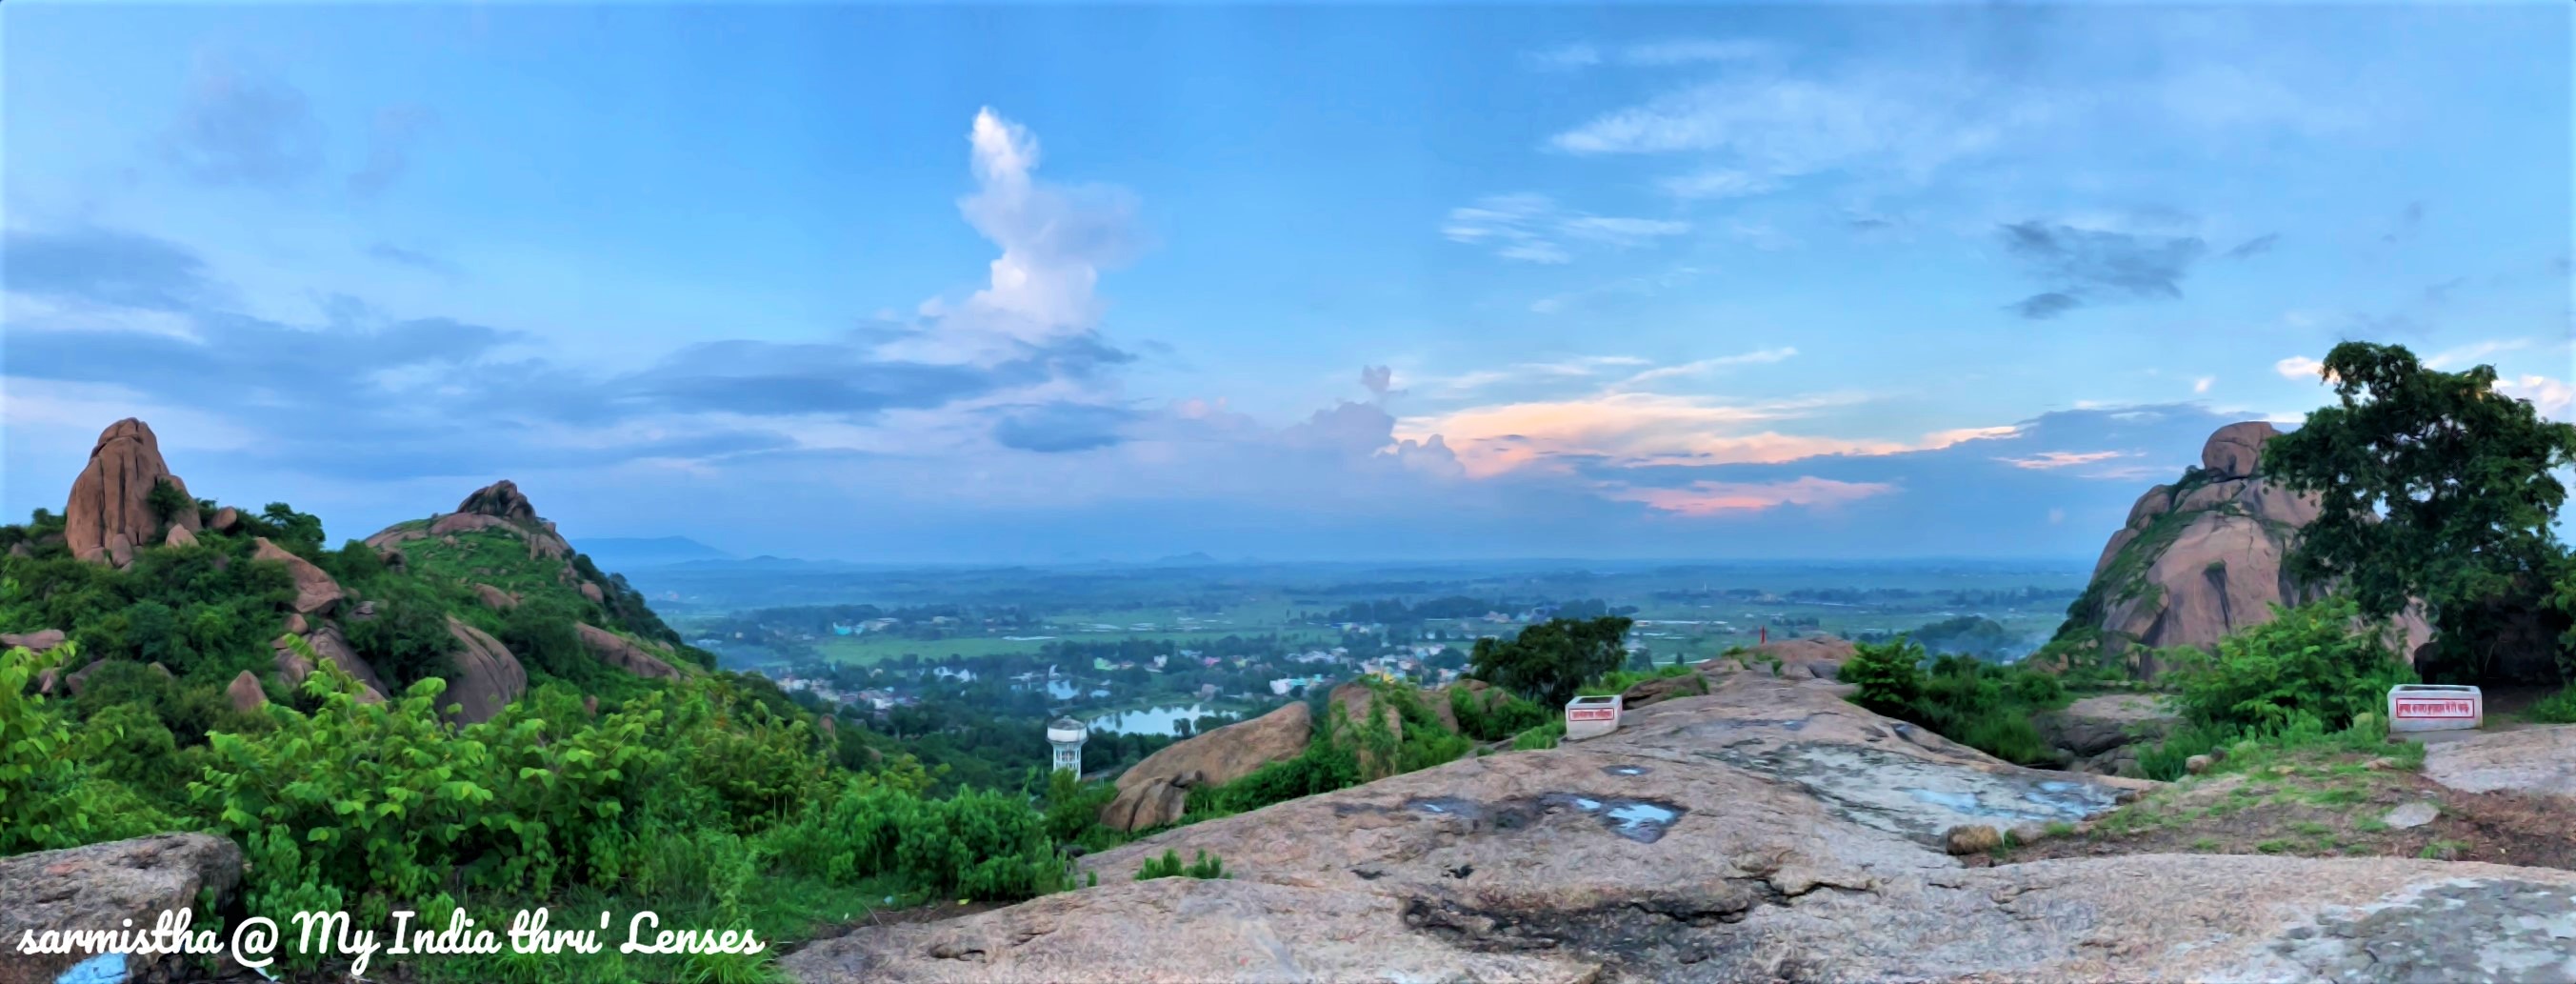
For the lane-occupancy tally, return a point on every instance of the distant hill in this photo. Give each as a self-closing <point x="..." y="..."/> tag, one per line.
<point x="627" y="552"/>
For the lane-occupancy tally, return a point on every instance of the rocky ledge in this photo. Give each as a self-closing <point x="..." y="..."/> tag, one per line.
<point x="1767" y="830"/>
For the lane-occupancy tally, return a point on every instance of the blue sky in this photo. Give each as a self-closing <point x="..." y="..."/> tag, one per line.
<point x="1027" y="283"/>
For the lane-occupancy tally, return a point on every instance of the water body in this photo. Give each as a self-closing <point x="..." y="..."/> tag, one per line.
<point x="1150" y="721"/>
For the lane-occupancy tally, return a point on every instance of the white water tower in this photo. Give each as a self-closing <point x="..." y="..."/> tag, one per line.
<point x="1066" y="734"/>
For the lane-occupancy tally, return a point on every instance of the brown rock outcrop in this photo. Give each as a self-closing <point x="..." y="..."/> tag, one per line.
<point x="245" y="694"/>
<point x="179" y="537"/>
<point x="315" y="592"/>
<point x="102" y="887"/>
<point x="592" y="592"/>
<point x="1155" y="791"/>
<point x="487" y="679"/>
<point x="109" y="511"/>
<point x="498" y="506"/>
<point x="616" y="650"/>
<point x="40" y="640"/>
<point x="1356" y="702"/>
<point x="2204" y="558"/>
<point x="327" y="643"/>
<point x="225" y="518"/>
<point x="495" y="598"/>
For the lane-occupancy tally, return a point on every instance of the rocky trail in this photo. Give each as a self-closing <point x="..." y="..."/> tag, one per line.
<point x="1765" y="831"/>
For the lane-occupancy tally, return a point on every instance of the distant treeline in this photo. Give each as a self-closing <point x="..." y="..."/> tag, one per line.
<point x="1860" y="596"/>
<point x="1397" y="611"/>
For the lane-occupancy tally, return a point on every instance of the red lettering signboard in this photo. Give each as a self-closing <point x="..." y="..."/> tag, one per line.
<point x="2435" y="707"/>
<point x="1592" y="716"/>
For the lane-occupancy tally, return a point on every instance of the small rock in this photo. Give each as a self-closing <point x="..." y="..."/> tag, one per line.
<point x="295" y="623"/>
<point x="2197" y="764"/>
<point x="1973" y="838"/>
<point x="225" y="518"/>
<point x="245" y="693"/>
<point x="2028" y="833"/>
<point x="2415" y="814"/>
<point x="2383" y="763"/>
<point x="179" y="537"/>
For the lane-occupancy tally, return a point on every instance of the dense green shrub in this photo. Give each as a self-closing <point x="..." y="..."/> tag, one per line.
<point x="1497" y="715"/>
<point x="1889" y="675"/>
<point x="1548" y="661"/>
<point x="1170" y="866"/>
<point x="2317" y="659"/>
<point x="52" y="795"/>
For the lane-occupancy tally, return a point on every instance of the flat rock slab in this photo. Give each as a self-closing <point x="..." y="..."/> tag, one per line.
<point x="1766" y="831"/>
<point x="98" y="887"/>
<point x="2540" y="761"/>
<point x="2411" y="815"/>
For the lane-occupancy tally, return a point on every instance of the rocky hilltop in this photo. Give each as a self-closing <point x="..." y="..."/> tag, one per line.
<point x="1765" y="830"/>
<point x="2199" y="558"/>
<point x="494" y="552"/>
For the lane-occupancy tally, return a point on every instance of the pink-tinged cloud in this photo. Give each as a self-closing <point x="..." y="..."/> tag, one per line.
<point x="1650" y="429"/>
<point x="1719" y="498"/>
<point x="2061" y="459"/>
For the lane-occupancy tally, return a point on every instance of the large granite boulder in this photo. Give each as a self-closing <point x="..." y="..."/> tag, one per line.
<point x="101" y="887"/>
<point x="1155" y="791"/>
<point x="487" y="677"/>
<point x="245" y="694"/>
<point x="327" y="643"/>
<point x="623" y="653"/>
<point x="2201" y="558"/>
<point x="315" y="591"/>
<point x="1765" y="831"/>
<point x="109" y="514"/>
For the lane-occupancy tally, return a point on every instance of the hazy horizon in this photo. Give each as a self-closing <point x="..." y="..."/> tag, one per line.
<point x="1034" y="284"/>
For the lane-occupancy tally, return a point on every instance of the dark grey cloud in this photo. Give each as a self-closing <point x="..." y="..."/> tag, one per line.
<point x="2084" y="266"/>
<point x="1379" y="381"/>
<point x="389" y="147"/>
<point x="413" y="258"/>
<point x="240" y="127"/>
<point x="1062" y="426"/>
<point x="101" y="266"/>
<point x="2040" y="307"/>
<point x="2256" y="246"/>
<point x="772" y="378"/>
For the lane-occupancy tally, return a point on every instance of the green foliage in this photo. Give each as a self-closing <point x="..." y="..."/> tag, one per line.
<point x="976" y="845"/>
<point x="2252" y="748"/>
<point x="2557" y="708"/>
<point x="1072" y="810"/>
<point x="1496" y="715"/>
<point x="51" y="795"/>
<point x="1618" y="681"/>
<point x="295" y="532"/>
<point x="2430" y="485"/>
<point x="1326" y="764"/>
<point x="1170" y="866"/>
<point x="1547" y="662"/>
<point x="1544" y="736"/>
<point x="2318" y="660"/>
<point x="408" y="640"/>
<point x="1889" y="675"/>
<point x="167" y="502"/>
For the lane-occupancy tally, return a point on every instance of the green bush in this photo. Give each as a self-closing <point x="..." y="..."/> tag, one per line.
<point x="1499" y="715"/>
<point x="1543" y="737"/>
<point x="1548" y="661"/>
<point x="1889" y="675"/>
<point x="2315" y="659"/>
<point x="2558" y="708"/>
<point x="51" y="793"/>
<point x="1170" y="866"/>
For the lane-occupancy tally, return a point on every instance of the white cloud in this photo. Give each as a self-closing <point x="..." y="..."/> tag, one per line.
<point x="1716" y="498"/>
<point x="1694" y="50"/>
<point x="1533" y="228"/>
<point x="2299" y="367"/>
<point x="1568" y="58"/>
<point x="1774" y="126"/>
<point x="2554" y="398"/>
<point x="1719" y="182"/>
<point x="1762" y="356"/>
<point x="1055" y="240"/>
<point x="2467" y="354"/>
<point x="2203" y="384"/>
<point x="2050" y="460"/>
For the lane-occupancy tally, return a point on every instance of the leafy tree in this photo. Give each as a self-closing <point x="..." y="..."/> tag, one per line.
<point x="2431" y="485"/>
<point x="166" y="501"/>
<point x="1549" y="661"/>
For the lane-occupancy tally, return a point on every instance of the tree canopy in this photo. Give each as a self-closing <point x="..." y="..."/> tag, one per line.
<point x="1548" y="661"/>
<point x="2431" y="485"/>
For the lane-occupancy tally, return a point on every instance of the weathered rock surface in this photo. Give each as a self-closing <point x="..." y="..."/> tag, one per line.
<point x="99" y="887"/>
<point x="40" y="640"/>
<point x="225" y="519"/>
<point x="109" y="512"/>
<point x="487" y="678"/>
<point x="328" y="643"/>
<point x="1766" y="831"/>
<point x="2205" y="557"/>
<point x="498" y="506"/>
<point x="495" y="598"/>
<point x="1155" y="791"/>
<point x="615" y="650"/>
<point x="315" y="592"/>
<point x="1811" y="658"/>
<point x="2539" y="760"/>
<point x="2096" y="725"/>
<point x="592" y="592"/>
<point x="245" y="694"/>
<point x="1661" y="689"/>
<point x="179" y="537"/>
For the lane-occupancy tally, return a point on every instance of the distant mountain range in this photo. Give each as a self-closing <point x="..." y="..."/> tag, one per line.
<point x="620" y="553"/>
